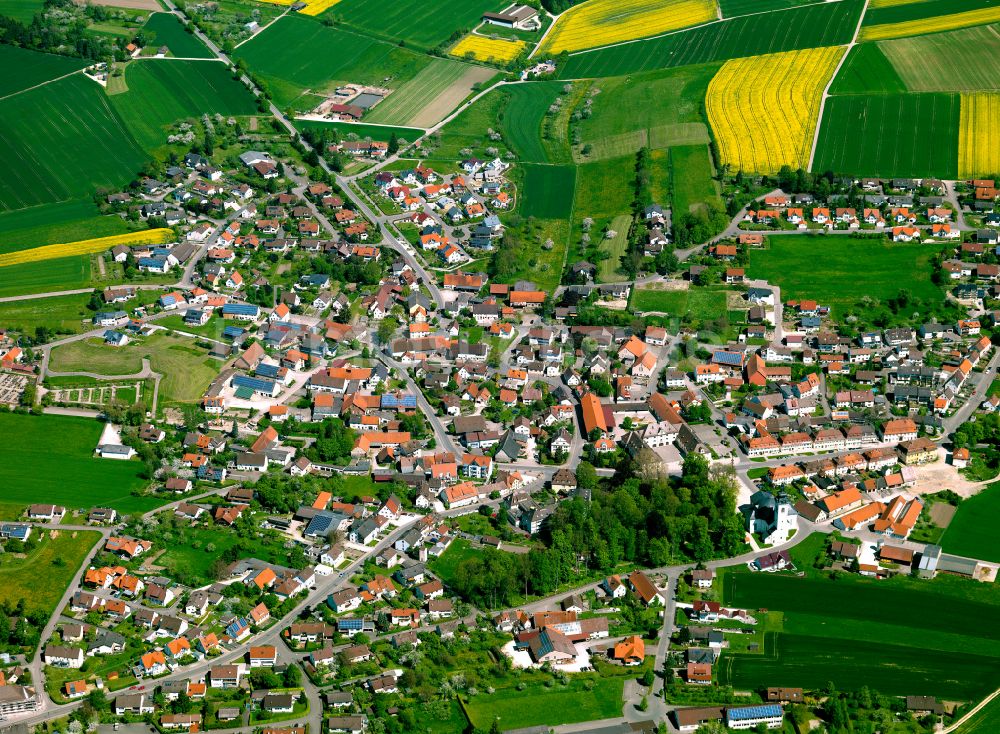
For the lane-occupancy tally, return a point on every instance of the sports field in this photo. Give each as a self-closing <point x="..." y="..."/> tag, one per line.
<point x="420" y="24"/>
<point x="24" y="68"/>
<point x="522" y="120"/>
<point x="547" y="191"/>
<point x="49" y="450"/>
<point x="811" y="26"/>
<point x="966" y="60"/>
<point x="490" y="50"/>
<point x="602" y="22"/>
<point x="764" y="109"/>
<point x="978" y="153"/>
<point x="971" y="532"/>
<point x="61" y="141"/>
<point x="858" y="135"/>
<point x="56" y="559"/>
<point x="162" y="93"/>
<point x="838" y="270"/>
<point x="167" y="30"/>
<point x="427" y="98"/>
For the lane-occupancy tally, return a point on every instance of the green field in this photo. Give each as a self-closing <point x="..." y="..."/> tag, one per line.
<point x="446" y="565"/>
<point x="420" y="24"/>
<point x="32" y="67"/>
<point x="867" y="71"/>
<point x="851" y="268"/>
<point x="691" y="173"/>
<point x="986" y="721"/>
<point x="522" y="119"/>
<point x="61" y="141"/>
<point x="547" y="191"/>
<point x="64" y="313"/>
<point x="703" y="304"/>
<point x="604" y="189"/>
<point x="858" y="135"/>
<point x="965" y="60"/>
<point x="67" y="221"/>
<point x="22" y="10"/>
<point x="375" y="132"/>
<point x="732" y="8"/>
<point x="167" y="30"/>
<point x="923" y="9"/>
<point x="608" y="270"/>
<point x="51" y="449"/>
<point x="187" y="370"/>
<point x="189" y="559"/>
<point x="65" y="273"/>
<point x="823" y="24"/>
<point x="56" y="559"/>
<point x="163" y="92"/>
<point x="297" y="53"/>
<point x="971" y="532"/>
<point x="547" y="706"/>
<point x="405" y="106"/>
<point x="918" y="649"/>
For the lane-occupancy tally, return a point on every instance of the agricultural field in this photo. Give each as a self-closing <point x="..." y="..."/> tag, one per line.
<point x="691" y="177"/>
<point x="732" y="8"/>
<point x="523" y="117"/>
<point x="918" y="650"/>
<point x="978" y="153"/>
<point x="985" y="721"/>
<point x="971" y="533"/>
<point x="547" y="191"/>
<point x="603" y="22"/>
<point x="62" y="141"/>
<point x="469" y="128"/>
<point x="187" y="369"/>
<point x="166" y="30"/>
<point x="966" y="60"/>
<point x="418" y="24"/>
<point x="86" y="247"/>
<point x="22" y="10"/>
<point x="811" y="26"/>
<point x="67" y="221"/>
<point x="764" y="110"/>
<point x="867" y="70"/>
<point x="426" y="99"/>
<point x="658" y="110"/>
<point x="56" y="559"/>
<point x="362" y="131"/>
<point x="489" y="50"/>
<point x="538" y="705"/>
<point x="859" y="135"/>
<point x="790" y="261"/>
<point x="63" y="313"/>
<point x="161" y="93"/>
<point x="33" y="68"/>
<point x="608" y="269"/>
<point x="34" y="468"/>
<point x="934" y="16"/>
<point x="51" y="275"/>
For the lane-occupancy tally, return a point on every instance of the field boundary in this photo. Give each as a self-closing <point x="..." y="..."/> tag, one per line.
<point x="972" y="713"/>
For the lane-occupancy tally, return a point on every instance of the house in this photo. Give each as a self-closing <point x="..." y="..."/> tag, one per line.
<point x="59" y="656"/>
<point x="630" y="651"/>
<point x="262" y="656"/>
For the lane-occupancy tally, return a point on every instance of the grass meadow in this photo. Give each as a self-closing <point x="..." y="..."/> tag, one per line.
<point x="66" y="273"/>
<point x="547" y="191"/>
<point x="65" y="313"/>
<point x="840" y="270"/>
<point x="704" y="304"/>
<point x="691" y="177"/>
<point x="56" y="559"/>
<point x="537" y="705"/>
<point x="971" y="532"/>
<point x="523" y="117"/>
<point x="167" y="30"/>
<point x="859" y="135"/>
<point x="50" y="449"/>
<point x="33" y="67"/>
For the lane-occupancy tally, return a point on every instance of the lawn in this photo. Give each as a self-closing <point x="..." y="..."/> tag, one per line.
<point x="56" y="559"/>
<point x="415" y="23"/>
<point x="166" y="29"/>
<point x="547" y="191"/>
<point x="608" y="269"/>
<point x="850" y="268"/>
<point x="32" y="67"/>
<point x="63" y="314"/>
<point x="446" y="565"/>
<point x="161" y="93"/>
<point x="704" y="304"/>
<point x="971" y="532"/>
<point x="212" y="329"/>
<point x="35" y="468"/>
<point x="297" y="53"/>
<point x="966" y="60"/>
<point x="538" y="705"/>
<point x="867" y="70"/>
<point x="187" y="369"/>
<point x="691" y="176"/>
<point x="822" y="24"/>
<point x="62" y="141"/>
<point x="67" y="221"/>
<point x="858" y="135"/>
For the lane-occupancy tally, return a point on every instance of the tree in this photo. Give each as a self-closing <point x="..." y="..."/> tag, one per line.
<point x="393" y="144"/>
<point x="292" y="676"/>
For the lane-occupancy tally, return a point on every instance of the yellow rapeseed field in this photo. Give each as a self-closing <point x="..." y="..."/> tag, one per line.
<point x="873" y="4"/>
<point x="487" y="49"/>
<point x="86" y="247"/>
<point x="764" y="109"/>
<point x="929" y="25"/>
<point x="978" y="153"/>
<point x="602" y="22"/>
<point x="313" y="7"/>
